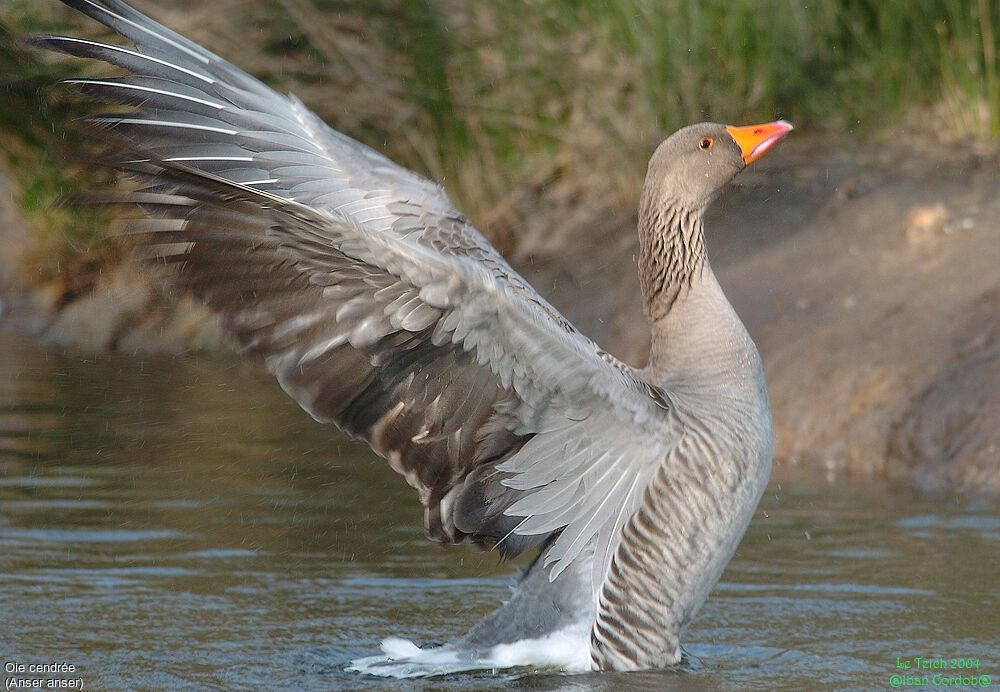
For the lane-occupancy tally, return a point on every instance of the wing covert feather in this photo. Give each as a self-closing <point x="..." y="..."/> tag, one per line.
<point x="374" y="302"/>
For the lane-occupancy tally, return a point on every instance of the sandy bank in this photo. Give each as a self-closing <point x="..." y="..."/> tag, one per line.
<point x="870" y="281"/>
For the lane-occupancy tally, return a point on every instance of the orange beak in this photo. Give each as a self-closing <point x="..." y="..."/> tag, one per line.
<point x="754" y="140"/>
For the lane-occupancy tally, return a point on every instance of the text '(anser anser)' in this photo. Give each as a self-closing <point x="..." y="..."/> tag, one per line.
<point x="379" y="308"/>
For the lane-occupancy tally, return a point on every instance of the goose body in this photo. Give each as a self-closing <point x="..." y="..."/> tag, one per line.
<point x="380" y="308"/>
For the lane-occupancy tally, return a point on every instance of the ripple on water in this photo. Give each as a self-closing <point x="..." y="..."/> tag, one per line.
<point x="987" y="526"/>
<point x="98" y="578"/>
<point x="165" y="555"/>
<point x="222" y="554"/>
<point x="56" y="503"/>
<point x="35" y="536"/>
<point x="874" y="589"/>
<point x="45" y="482"/>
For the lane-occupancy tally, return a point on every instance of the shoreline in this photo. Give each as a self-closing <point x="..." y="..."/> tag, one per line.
<point x="870" y="282"/>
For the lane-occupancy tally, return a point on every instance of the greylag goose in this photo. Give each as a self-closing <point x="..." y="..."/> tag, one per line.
<point x="379" y="308"/>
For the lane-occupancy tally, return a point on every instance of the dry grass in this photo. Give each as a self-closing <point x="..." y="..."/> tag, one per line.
<point x="549" y="103"/>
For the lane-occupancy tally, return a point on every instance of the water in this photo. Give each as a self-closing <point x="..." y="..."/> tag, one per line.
<point x="178" y="523"/>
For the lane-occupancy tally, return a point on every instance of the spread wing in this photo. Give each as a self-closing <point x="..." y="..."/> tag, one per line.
<point x="375" y="303"/>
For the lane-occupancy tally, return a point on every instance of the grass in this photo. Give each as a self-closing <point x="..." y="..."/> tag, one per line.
<point x="509" y="104"/>
<point x="68" y="245"/>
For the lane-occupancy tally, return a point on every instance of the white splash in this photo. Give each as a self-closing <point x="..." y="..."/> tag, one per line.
<point x="567" y="649"/>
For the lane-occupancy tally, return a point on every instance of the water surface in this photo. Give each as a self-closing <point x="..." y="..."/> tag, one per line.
<point x="178" y="523"/>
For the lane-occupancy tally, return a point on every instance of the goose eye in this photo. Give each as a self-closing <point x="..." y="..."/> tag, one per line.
<point x="705" y="144"/>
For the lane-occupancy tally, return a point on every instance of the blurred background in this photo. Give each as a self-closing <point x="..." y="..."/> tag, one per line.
<point x="862" y="254"/>
<point x="158" y="496"/>
<point x="511" y="105"/>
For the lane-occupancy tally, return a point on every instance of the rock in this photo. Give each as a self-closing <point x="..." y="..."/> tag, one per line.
<point x="867" y="354"/>
<point x="94" y="322"/>
<point x="949" y="436"/>
<point x="174" y="324"/>
<point x="925" y="223"/>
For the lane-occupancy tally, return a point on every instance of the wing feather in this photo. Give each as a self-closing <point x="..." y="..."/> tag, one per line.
<point x="375" y="303"/>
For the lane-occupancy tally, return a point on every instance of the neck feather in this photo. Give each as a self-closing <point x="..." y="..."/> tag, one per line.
<point x="671" y="253"/>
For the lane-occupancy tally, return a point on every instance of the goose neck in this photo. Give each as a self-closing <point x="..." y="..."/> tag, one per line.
<point x="671" y="254"/>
